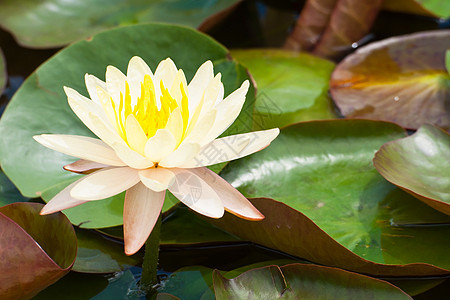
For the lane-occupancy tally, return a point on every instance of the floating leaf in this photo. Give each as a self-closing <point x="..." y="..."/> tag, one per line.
<point x="40" y="105"/>
<point x="420" y="165"/>
<point x="36" y="250"/>
<point x="96" y="254"/>
<point x="322" y="172"/>
<point x="8" y="192"/>
<point x="298" y="281"/>
<point x="429" y="8"/>
<point x="400" y="79"/>
<point x="33" y="23"/>
<point x="292" y="87"/>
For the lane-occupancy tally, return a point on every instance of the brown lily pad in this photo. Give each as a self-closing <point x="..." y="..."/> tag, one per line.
<point x="419" y="164"/>
<point x="35" y="250"/>
<point x="401" y="79"/>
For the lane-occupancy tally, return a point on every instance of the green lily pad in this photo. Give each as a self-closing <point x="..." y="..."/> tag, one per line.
<point x="292" y="86"/>
<point x="298" y="281"/>
<point x="182" y="227"/>
<point x="429" y="8"/>
<point x="33" y="23"/>
<point x="2" y="72"/>
<point x="97" y="254"/>
<point x="8" y="192"/>
<point x="36" y="250"/>
<point x="322" y="172"/>
<point x="419" y="164"/>
<point x="401" y="79"/>
<point x="40" y="105"/>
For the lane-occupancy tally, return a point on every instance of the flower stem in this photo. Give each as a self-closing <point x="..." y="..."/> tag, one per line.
<point x="149" y="278"/>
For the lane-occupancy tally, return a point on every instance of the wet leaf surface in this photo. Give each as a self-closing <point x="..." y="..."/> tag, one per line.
<point x="419" y="164"/>
<point x="36" y="250"/>
<point x="402" y="79"/>
<point x="335" y="209"/>
<point x="33" y="24"/>
<point x="40" y="105"/>
<point x="291" y="86"/>
<point x="8" y="192"/>
<point x="298" y="281"/>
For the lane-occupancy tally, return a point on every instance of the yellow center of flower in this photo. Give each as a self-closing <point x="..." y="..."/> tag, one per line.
<point x="146" y="111"/>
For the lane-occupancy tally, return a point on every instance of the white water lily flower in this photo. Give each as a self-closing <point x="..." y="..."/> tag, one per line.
<point x="156" y="132"/>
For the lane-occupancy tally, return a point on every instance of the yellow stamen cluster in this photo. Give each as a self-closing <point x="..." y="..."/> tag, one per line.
<point x="146" y="110"/>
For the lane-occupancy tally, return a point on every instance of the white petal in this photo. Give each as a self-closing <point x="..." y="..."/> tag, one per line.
<point x="175" y="90"/>
<point x="196" y="193"/>
<point x="175" y="124"/>
<point x="231" y="198"/>
<point x="185" y="152"/>
<point x="115" y="83"/>
<point x="232" y="147"/>
<point x="137" y="69"/>
<point x="92" y="83"/>
<point x="157" y="179"/>
<point x="82" y="147"/>
<point x="86" y="104"/>
<point x="227" y="112"/>
<point x="199" y="83"/>
<point x="83" y="166"/>
<point x="160" y="145"/>
<point x="131" y="157"/>
<point x="105" y="183"/>
<point x="198" y="131"/>
<point x="62" y="200"/>
<point x="136" y="137"/>
<point x="141" y="210"/>
<point x="165" y="71"/>
<point x="212" y="92"/>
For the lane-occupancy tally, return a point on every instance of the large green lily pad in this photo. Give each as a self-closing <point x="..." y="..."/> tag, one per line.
<point x="299" y="281"/>
<point x="419" y="164"/>
<point x="322" y="172"/>
<point x="36" y="250"/>
<point x="291" y="86"/>
<point x="401" y="79"/>
<point x="8" y="192"/>
<point x="33" y="23"/>
<point x="40" y="105"/>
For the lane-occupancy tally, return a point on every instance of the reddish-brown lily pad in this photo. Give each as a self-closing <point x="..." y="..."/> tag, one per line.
<point x="35" y="250"/>
<point x="419" y="164"/>
<point x="300" y="281"/>
<point x="400" y="79"/>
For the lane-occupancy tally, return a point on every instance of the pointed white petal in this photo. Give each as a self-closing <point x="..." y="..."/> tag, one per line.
<point x="62" y="200"/>
<point x="232" y="147"/>
<point x="175" y="124"/>
<point x="185" y="152"/>
<point x="197" y="132"/>
<point x="199" y="83"/>
<point x="86" y="104"/>
<point x="115" y="83"/>
<point x="105" y="183"/>
<point x="141" y="210"/>
<point x="160" y="145"/>
<point x="233" y="201"/>
<point x="157" y="179"/>
<point x="165" y="71"/>
<point x="136" y="137"/>
<point x="82" y="147"/>
<point x="83" y="166"/>
<point x="174" y="89"/>
<point x="92" y="83"/>
<point x="212" y="92"/>
<point x="196" y="193"/>
<point x="137" y="69"/>
<point x="131" y="157"/>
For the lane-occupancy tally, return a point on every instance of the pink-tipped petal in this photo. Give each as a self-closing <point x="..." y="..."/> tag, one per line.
<point x="62" y="200"/>
<point x="232" y="147"/>
<point x="195" y="192"/>
<point x="83" y="166"/>
<point x="105" y="183"/>
<point x="157" y="179"/>
<point x="141" y="210"/>
<point x="233" y="201"/>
